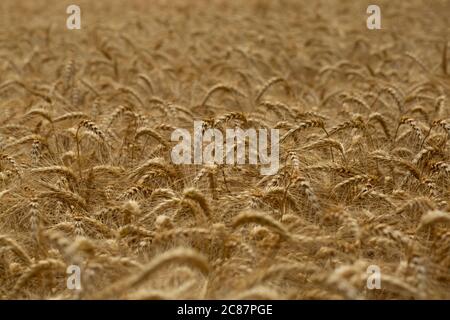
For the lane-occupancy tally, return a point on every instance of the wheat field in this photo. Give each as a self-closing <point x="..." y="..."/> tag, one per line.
<point x="86" y="177"/>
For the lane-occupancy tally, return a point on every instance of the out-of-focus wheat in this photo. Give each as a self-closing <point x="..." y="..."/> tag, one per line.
<point x="86" y="176"/>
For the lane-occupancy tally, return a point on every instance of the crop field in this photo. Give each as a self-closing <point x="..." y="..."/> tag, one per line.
<point x="89" y="188"/>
